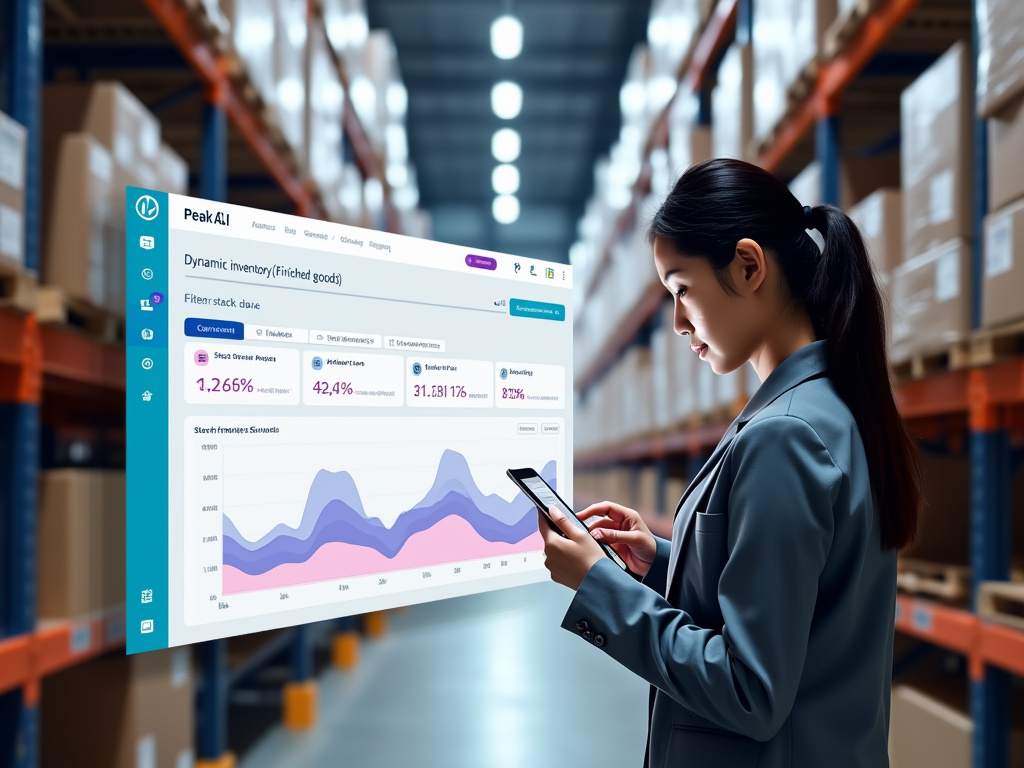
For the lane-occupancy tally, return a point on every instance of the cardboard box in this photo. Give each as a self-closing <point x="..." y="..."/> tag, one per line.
<point x="110" y="113"/>
<point x="944" y="533"/>
<point x="1003" y="276"/>
<point x="1006" y="155"/>
<point x="172" y="171"/>
<point x="253" y="31"/>
<point x="13" y="143"/>
<point x="879" y="217"/>
<point x="931" y="297"/>
<point x="1000" y="62"/>
<point x="79" y="223"/>
<point x="787" y="37"/>
<point x="139" y="712"/>
<point x="932" y="729"/>
<point x="81" y="542"/>
<point x="113" y="516"/>
<point x="732" y="105"/>
<point x="936" y="115"/>
<point x="70" y="581"/>
<point x="289" y="99"/>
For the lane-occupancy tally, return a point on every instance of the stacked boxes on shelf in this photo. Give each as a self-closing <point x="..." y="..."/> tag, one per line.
<point x="787" y="38"/>
<point x="1001" y="100"/>
<point x="932" y="287"/>
<point x="13" y="141"/>
<point x="732" y="105"/>
<point x="81" y="543"/>
<point x="97" y="139"/>
<point x="140" y="712"/>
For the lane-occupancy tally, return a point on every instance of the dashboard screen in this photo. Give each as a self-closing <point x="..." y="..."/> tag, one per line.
<point x="320" y="417"/>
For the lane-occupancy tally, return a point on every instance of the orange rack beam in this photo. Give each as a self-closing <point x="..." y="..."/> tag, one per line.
<point x="80" y="359"/>
<point x="212" y="68"/>
<point x="26" y="659"/>
<point x="950" y="628"/>
<point x="1001" y="647"/>
<point x="834" y="77"/>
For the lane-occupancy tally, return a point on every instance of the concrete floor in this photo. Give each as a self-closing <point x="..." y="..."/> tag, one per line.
<point x="486" y="681"/>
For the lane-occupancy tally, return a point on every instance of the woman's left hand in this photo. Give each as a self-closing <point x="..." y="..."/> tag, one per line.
<point x="570" y="558"/>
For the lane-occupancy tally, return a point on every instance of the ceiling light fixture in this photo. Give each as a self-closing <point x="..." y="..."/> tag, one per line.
<point x="505" y="209"/>
<point x="507" y="37"/>
<point x="506" y="145"/>
<point x="505" y="180"/>
<point x="507" y="99"/>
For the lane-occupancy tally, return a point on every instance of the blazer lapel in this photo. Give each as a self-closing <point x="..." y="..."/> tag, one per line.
<point x="803" y="365"/>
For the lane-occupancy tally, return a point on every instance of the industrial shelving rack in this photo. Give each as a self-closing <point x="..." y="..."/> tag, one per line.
<point x="38" y="361"/>
<point x="987" y="403"/>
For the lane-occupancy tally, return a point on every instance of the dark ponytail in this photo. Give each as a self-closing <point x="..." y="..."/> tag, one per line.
<point x="717" y="203"/>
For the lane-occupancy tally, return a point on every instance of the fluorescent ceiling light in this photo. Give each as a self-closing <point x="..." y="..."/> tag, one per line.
<point x="397" y="144"/>
<point x="364" y="98"/>
<point x="506" y="99"/>
<point x="290" y="94"/>
<point x="397" y="99"/>
<point x="632" y="99"/>
<point x="397" y="175"/>
<point x="373" y="193"/>
<point x="507" y="37"/>
<point x="358" y="29"/>
<point x="505" y="180"/>
<point x="505" y="209"/>
<point x="506" y="145"/>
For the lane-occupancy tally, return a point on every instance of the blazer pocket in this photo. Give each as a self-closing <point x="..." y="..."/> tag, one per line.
<point x="710" y="522"/>
<point x="689" y="746"/>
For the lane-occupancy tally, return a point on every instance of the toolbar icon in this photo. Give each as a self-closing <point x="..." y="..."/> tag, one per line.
<point x="147" y="627"/>
<point x="147" y="242"/>
<point x="147" y="334"/>
<point x="147" y="396"/>
<point x="147" y="274"/>
<point x="145" y="306"/>
<point x="147" y="363"/>
<point x="550" y="274"/>
<point x="147" y="207"/>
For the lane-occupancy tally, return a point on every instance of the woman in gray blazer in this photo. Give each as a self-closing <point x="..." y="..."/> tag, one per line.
<point x="765" y="626"/>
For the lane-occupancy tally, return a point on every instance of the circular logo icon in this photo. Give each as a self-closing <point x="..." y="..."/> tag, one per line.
<point x="147" y="207"/>
<point x="318" y="363"/>
<point x="147" y="274"/>
<point x="417" y="369"/>
<point x="147" y="334"/>
<point x="147" y="363"/>
<point x="503" y="373"/>
<point x="156" y="298"/>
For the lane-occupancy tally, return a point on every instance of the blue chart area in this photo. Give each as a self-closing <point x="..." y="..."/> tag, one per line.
<point x="336" y="537"/>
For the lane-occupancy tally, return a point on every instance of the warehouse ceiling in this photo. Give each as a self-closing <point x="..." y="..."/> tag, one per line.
<point x="573" y="62"/>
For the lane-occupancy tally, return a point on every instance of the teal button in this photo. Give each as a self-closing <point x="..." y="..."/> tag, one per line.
<point x="538" y="309"/>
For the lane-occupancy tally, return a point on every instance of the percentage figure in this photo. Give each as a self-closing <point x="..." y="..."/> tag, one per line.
<point x="330" y="389"/>
<point x="439" y="390"/>
<point x="215" y="384"/>
<point x="511" y="393"/>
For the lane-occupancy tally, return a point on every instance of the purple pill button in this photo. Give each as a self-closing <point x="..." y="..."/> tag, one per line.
<point x="480" y="262"/>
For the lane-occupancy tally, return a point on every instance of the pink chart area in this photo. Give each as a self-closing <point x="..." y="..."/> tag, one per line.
<point x="452" y="540"/>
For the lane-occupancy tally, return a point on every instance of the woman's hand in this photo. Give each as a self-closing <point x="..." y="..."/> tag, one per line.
<point x="625" y="531"/>
<point x="569" y="558"/>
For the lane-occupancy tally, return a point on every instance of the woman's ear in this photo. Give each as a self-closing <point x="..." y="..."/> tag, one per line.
<point x="749" y="266"/>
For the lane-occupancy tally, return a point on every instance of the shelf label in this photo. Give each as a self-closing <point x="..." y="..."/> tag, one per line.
<point x="81" y="638"/>
<point x="921" y="619"/>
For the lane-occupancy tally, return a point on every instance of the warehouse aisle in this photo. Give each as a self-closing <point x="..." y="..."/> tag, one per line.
<point x="487" y="680"/>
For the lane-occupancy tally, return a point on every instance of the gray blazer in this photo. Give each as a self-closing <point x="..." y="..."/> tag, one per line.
<point x="765" y="627"/>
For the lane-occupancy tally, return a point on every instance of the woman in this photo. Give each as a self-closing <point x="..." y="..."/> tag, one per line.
<point x="765" y="626"/>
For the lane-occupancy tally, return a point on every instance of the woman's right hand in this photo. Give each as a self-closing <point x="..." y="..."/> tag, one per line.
<point x="625" y="531"/>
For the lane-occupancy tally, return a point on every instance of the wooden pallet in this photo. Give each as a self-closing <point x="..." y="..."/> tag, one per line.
<point x="844" y="28"/>
<point x="55" y="306"/>
<point x="1002" y="602"/>
<point x="996" y="345"/>
<point x="921" y="577"/>
<point x="18" y="288"/>
<point x="214" y="30"/>
<point x="953" y="357"/>
<point x="802" y="88"/>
